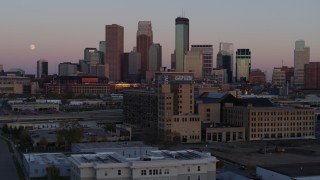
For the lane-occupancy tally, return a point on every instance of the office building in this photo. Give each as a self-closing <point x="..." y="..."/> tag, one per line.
<point x="243" y="65"/>
<point x="16" y="85"/>
<point x="155" y="57"/>
<point x="278" y="76"/>
<point x="93" y="56"/>
<point x="144" y="41"/>
<point x="155" y="61"/>
<point x="176" y="117"/>
<point x="84" y="66"/>
<point x="1" y="67"/>
<point x="161" y="164"/>
<point x="219" y="76"/>
<point x="257" y="77"/>
<point x="312" y="72"/>
<point x="114" y="49"/>
<point x="207" y="54"/>
<point x="92" y="85"/>
<point x="130" y="67"/>
<point x="301" y="57"/>
<point x="42" y="68"/>
<point x="181" y="42"/>
<point x="67" y="69"/>
<point x="225" y="59"/>
<point x="102" y="46"/>
<point x="267" y="122"/>
<point x="193" y="63"/>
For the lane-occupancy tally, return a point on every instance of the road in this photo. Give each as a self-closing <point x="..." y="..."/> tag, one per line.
<point x="7" y="168"/>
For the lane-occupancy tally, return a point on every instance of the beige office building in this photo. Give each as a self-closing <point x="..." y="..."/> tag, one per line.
<point x="176" y="107"/>
<point x="278" y="76"/>
<point x="17" y="85"/>
<point x="193" y="63"/>
<point x="263" y="123"/>
<point x="301" y="57"/>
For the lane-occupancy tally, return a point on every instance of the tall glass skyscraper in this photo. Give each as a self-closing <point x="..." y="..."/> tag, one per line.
<point x="181" y="42"/>
<point x="301" y="57"/>
<point x="225" y="59"/>
<point x="243" y="65"/>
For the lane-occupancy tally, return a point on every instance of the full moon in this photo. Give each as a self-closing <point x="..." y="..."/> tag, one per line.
<point x="32" y="47"/>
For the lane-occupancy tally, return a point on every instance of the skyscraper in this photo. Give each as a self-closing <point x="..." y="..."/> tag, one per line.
<point x="114" y="49"/>
<point x="225" y="59"/>
<point x="155" y="57"/>
<point x="312" y="71"/>
<point x="243" y="65"/>
<point x="301" y="57"/>
<point x="42" y="68"/>
<point x="181" y="42"/>
<point x="207" y="52"/>
<point x="144" y="41"/>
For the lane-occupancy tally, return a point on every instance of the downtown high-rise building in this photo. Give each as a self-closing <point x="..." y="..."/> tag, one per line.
<point x="181" y="42"/>
<point x="144" y="41"/>
<point x="42" y="68"/>
<point x="301" y="57"/>
<point x="312" y="71"/>
<point x="225" y="59"/>
<point x="114" y="49"/>
<point x="67" y="69"/>
<point x="155" y="57"/>
<point x="207" y="54"/>
<point x="243" y="65"/>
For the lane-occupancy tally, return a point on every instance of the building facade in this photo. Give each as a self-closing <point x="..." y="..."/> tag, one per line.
<point x="176" y="107"/>
<point x="114" y="49"/>
<point x="263" y="123"/>
<point x="243" y="65"/>
<point x="207" y="59"/>
<point x="144" y="41"/>
<point x="301" y="57"/>
<point x="257" y="77"/>
<point x="162" y="164"/>
<point x="312" y="74"/>
<point x="220" y="76"/>
<point x="225" y="59"/>
<point x="42" y="68"/>
<point x="193" y="63"/>
<point x="181" y="42"/>
<point x="131" y="67"/>
<point x="16" y="85"/>
<point x="68" y="69"/>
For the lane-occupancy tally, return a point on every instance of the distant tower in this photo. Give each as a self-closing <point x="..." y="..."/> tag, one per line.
<point x="243" y="65"/>
<point x="155" y="57"/>
<point x="144" y="41"/>
<point x="42" y="68"/>
<point x="181" y="42"/>
<point x="301" y="57"/>
<point x="114" y="49"/>
<point x="225" y="59"/>
<point x="207" y="52"/>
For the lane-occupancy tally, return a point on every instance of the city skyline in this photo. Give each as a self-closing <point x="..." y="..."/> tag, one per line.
<point x="60" y="32"/>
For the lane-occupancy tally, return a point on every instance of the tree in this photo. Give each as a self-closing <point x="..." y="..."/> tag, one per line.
<point x="25" y="139"/>
<point x="70" y="132"/>
<point x="5" y="129"/>
<point x="53" y="173"/>
<point x="43" y="142"/>
<point x="110" y="127"/>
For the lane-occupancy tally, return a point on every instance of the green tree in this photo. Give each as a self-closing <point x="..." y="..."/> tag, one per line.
<point x="53" y="173"/>
<point x="25" y="139"/>
<point x="70" y="132"/>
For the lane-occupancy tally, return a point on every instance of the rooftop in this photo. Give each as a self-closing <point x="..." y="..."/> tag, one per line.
<point x="46" y="158"/>
<point x="296" y="170"/>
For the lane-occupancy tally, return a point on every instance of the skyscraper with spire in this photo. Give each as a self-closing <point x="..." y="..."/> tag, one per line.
<point x="144" y="41"/>
<point x="181" y="42"/>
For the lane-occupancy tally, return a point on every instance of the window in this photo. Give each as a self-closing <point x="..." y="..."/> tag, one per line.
<point x="150" y="172"/>
<point x="143" y="172"/>
<point x="189" y="178"/>
<point x="119" y="172"/>
<point x="106" y="173"/>
<point x="188" y="169"/>
<point x="199" y="168"/>
<point x="166" y="171"/>
<point x="199" y="178"/>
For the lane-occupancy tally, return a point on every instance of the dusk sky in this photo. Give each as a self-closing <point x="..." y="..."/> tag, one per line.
<point x="61" y="29"/>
